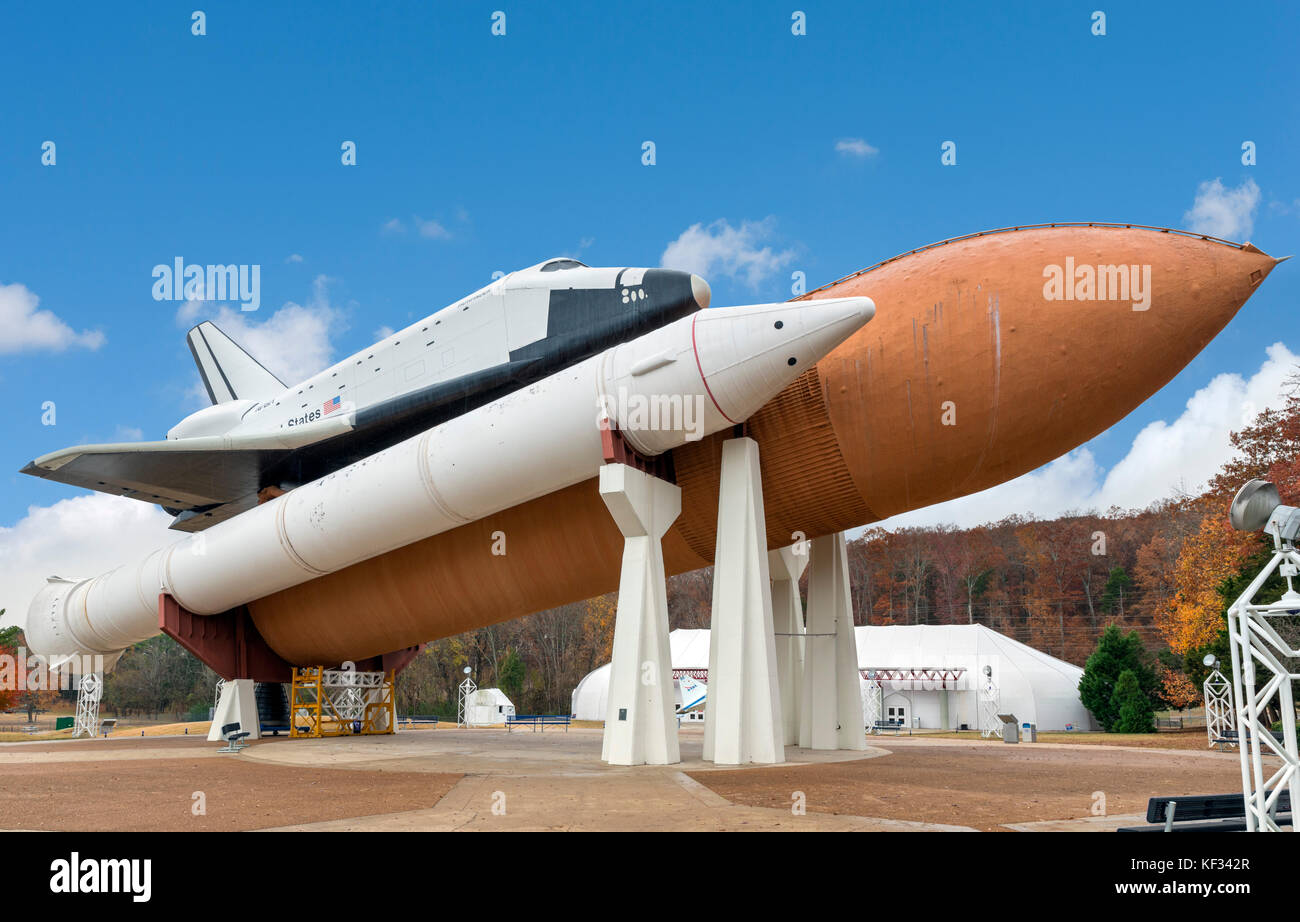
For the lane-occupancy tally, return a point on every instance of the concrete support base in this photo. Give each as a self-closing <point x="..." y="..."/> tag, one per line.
<point x="237" y="704"/>
<point x="742" y="721"/>
<point x="786" y="566"/>
<point x="640" y="728"/>
<point x="831" y="704"/>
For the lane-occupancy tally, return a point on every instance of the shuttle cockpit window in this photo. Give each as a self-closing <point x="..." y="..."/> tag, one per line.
<point x="557" y="264"/>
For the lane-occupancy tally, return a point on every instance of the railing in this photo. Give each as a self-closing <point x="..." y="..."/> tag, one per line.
<point x="539" y="720"/>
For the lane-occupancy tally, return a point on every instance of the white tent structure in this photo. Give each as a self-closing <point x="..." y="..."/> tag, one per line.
<point x="931" y="677"/>
<point x="488" y="706"/>
<point x="690" y="653"/>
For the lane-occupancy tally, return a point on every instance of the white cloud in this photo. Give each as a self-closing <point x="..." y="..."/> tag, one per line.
<point x="1223" y="212"/>
<point x="1165" y="457"/>
<point x="24" y="327"/>
<point x="425" y="227"/>
<point x="293" y="343"/>
<point x="855" y="147"/>
<point x="431" y="229"/>
<point x="735" y="252"/>
<point x="77" y="537"/>
<point x="128" y="434"/>
<point x="293" y="258"/>
<point x="383" y="333"/>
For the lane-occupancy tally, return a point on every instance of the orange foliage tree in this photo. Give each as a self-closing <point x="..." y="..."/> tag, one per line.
<point x="1210" y="555"/>
<point x="8" y="667"/>
<point x="1177" y="689"/>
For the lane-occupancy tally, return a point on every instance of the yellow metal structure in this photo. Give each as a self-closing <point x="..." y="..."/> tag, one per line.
<point x="336" y="702"/>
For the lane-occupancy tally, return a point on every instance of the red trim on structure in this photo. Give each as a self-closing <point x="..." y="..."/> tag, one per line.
<point x="700" y="368"/>
<point x="228" y="642"/>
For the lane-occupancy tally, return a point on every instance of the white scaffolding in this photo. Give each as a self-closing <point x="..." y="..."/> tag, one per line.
<point x="990" y="704"/>
<point x="216" y="697"/>
<point x="465" y="691"/>
<point x="89" y="690"/>
<point x="336" y="702"/>
<point x="1256" y="642"/>
<point x="1219" y="722"/>
<point x="872" y="700"/>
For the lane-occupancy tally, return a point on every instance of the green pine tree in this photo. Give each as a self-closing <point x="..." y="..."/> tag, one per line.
<point x="1116" y="653"/>
<point x="1131" y="705"/>
<point x="510" y="675"/>
<point x="1116" y="591"/>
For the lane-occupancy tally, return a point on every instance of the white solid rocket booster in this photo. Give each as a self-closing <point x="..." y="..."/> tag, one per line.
<point x="687" y="379"/>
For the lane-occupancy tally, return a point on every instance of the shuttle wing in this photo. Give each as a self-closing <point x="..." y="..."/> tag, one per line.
<point x="207" y="479"/>
<point x="177" y="474"/>
<point x="188" y="475"/>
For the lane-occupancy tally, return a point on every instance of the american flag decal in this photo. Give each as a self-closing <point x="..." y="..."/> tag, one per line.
<point x="332" y="405"/>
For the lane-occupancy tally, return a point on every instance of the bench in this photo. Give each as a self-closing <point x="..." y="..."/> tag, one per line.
<point x="880" y="726"/>
<point x="1203" y="813"/>
<point x="1232" y="737"/>
<point x="539" y="720"/>
<point x="233" y="735"/>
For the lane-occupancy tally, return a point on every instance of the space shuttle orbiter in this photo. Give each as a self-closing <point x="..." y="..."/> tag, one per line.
<point x="260" y="434"/>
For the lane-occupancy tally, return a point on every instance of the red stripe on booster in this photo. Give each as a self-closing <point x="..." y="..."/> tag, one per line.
<point x="700" y="368"/>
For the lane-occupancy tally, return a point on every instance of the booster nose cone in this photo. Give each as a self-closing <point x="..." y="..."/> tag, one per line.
<point x="746" y="355"/>
<point x="700" y="291"/>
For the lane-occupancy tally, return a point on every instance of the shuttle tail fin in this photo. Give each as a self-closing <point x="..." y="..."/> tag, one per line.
<point x="228" y="372"/>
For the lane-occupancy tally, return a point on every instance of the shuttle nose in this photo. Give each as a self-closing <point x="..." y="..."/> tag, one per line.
<point x="700" y="291"/>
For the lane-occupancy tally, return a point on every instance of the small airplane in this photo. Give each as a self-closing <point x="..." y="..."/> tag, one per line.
<point x="692" y="694"/>
<point x="261" y="438"/>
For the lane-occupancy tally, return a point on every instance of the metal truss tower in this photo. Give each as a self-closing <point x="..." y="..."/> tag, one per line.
<point x="1219" y="718"/>
<point x="990" y="704"/>
<point x="89" y="691"/>
<point x="465" y="691"/>
<point x="872" y="705"/>
<point x="1256" y="642"/>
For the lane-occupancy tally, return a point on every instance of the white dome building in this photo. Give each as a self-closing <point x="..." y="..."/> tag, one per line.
<point x="488" y="707"/>
<point x="927" y="676"/>
<point x="932" y="676"/>
<point x="690" y="653"/>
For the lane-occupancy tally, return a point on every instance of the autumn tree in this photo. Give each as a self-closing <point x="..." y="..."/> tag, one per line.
<point x="9" y="659"/>
<point x="1177" y="689"/>
<point x="1213" y="554"/>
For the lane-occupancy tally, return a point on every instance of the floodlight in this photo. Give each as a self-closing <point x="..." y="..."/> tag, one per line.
<point x="466" y="670"/>
<point x="1211" y="661"/>
<point x="1257" y="505"/>
<point x="988" y="670"/>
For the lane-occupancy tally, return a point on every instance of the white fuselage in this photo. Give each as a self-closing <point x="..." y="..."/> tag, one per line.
<point x="475" y="333"/>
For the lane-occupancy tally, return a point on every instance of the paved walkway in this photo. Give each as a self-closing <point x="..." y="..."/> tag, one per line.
<point x="555" y="781"/>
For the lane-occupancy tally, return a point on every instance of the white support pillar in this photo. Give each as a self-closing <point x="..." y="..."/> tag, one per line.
<point x="742" y="719"/>
<point x="639" y="725"/>
<point x="786" y="565"/>
<point x="832" y="696"/>
<point x="237" y="704"/>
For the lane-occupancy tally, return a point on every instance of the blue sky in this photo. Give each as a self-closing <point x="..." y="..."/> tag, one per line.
<point x="478" y="153"/>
